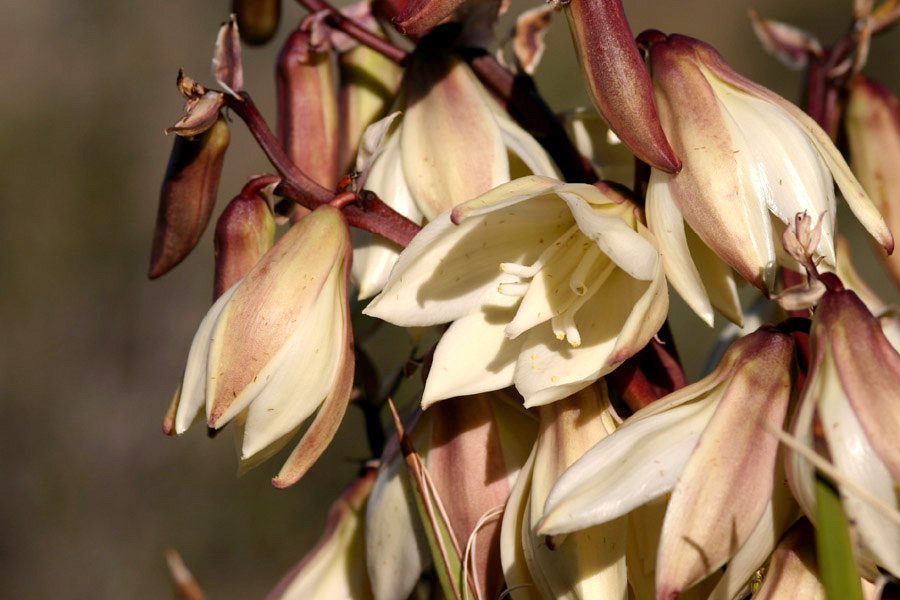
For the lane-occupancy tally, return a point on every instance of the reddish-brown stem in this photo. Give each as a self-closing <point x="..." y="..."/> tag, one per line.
<point x="368" y="212"/>
<point x="354" y="30"/>
<point x="258" y="183"/>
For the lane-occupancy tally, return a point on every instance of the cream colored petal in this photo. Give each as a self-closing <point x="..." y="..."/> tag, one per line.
<point x="396" y="549"/>
<point x="717" y="278"/>
<point x="667" y="224"/>
<point x="616" y="238"/>
<point x="474" y="355"/>
<point x="549" y="369"/>
<point x="518" y="577"/>
<point x="502" y="196"/>
<point x="304" y="377"/>
<point x="522" y="144"/>
<point x="451" y="143"/>
<point x="193" y="387"/>
<point x="638" y="463"/>
<point x="448" y="271"/>
<point x="855" y="457"/>
<point x="853" y="193"/>
<point x="373" y="139"/>
<point x="728" y="480"/>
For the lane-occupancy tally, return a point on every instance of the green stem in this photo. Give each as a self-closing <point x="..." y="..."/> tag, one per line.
<point x="837" y="565"/>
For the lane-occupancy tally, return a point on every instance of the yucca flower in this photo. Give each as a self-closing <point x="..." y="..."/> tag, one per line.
<point x="707" y="445"/>
<point x="453" y="142"/>
<point x="276" y="347"/>
<point x="549" y="286"/>
<point x="749" y="158"/>
<point x="852" y="387"/>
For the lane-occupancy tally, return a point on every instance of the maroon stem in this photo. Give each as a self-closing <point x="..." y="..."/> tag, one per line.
<point x="368" y="212"/>
<point x="354" y="30"/>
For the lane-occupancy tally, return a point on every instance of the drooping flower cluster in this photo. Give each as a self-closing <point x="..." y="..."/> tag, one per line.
<point x="553" y="448"/>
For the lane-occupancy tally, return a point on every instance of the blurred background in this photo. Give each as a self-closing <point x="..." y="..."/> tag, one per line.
<point x="91" y="351"/>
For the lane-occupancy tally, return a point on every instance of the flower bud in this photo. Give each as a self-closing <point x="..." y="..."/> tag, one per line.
<point x="369" y="82"/>
<point x="335" y="567"/>
<point x="257" y="19"/>
<point x="419" y="17"/>
<point x="706" y="443"/>
<point x="617" y="79"/>
<point x="308" y="107"/>
<point x="188" y="196"/>
<point x="277" y="346"/>
<point x="852" y="387"/>
<point x="873" y="133"/>
<point x="244" y="233"/>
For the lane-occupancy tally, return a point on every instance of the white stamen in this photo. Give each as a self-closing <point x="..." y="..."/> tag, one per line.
<point x="531" y="270"/>
<point x="559" y="328"/>
<point x="514" y="289"/>
<point x="581" y="270"/>
<point x="571" y="330"/>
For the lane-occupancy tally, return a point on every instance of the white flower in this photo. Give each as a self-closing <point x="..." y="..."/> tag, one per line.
<point x="852" y="386"/>
<point x="749" y="157"/>
<point x="277" y="346"/>
<point x="549" y="287"/>
<point x="452" y="143"/>
<point x="707" y="445"/>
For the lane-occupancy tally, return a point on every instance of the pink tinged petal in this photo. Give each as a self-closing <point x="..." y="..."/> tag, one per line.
<point x="725" y="486"/>
<point x="791" y="45"/>
<point x="313" y="358"/>
<point x="508" y="194"/>
<point x="717" y="278"/>
<point x="321" y="431"/>
<point x="396" y="549"/>
<point x="714" y="191"/>
<point x="244" y="233"/>
<point x="617" y="79"/>
<point x="449" y="271"/>
<point x="249" y="341"/>
<point x="226" y="63"/>
<point x="873" y="133"/>
<point x="786" y="171"/>
<point x="854" y="456"/>
<point x="793" y="570"/>
<point x="335" y="567"/>
<point x="468" y="464"/>
<point x="640" y="462"/>
<point x="869" y="370"/>
<point x="549" y="369"/>
<point x="779" y="513"/>
<point x="451" y="143"/>
<point x="193" y="387"/>
<point x="862" y="207"/>
<point x="473" y="356"/>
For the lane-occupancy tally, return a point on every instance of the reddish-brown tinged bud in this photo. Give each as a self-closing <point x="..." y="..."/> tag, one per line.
<point x="420" y="16"/>
<point x="873" y="133"/>
<point x="244" y="232"/>
<point x="257" y="19"/>
<point x="618" y="81"/>
<point x="187" y="197"/>
<point x="308" y="107"/>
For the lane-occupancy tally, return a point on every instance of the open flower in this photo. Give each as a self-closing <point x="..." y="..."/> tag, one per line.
<point x="452" y="143"/>
<point x="549" y="287"/>
<point x="852" y="387"/>
<point x="748" y="156"/>
<point x="707" y="445"/>
<point x="277" y="346"/>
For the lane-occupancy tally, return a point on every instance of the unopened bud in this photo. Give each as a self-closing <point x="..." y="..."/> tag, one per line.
<point x="308" y="107"/>
<point x="418" y="17"/>
<point x="257" y="19"/>
<point x="187" y="197"/>
<point x="617" y="79"/>
<point x="873" y="133"/>
<point x="244" y="232"/>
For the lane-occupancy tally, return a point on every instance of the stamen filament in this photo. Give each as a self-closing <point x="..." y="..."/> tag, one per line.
<point x="551" y="251"/>
<point x="579" y="274"/>
<point x="513" y="289"/>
